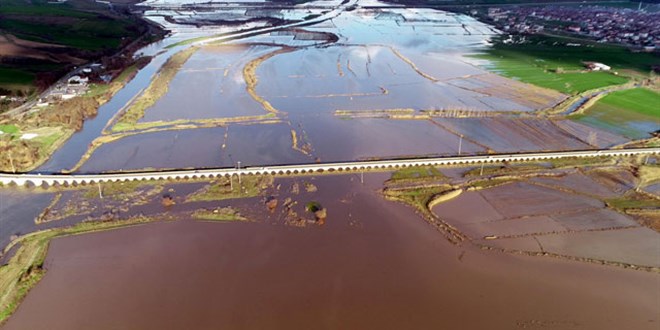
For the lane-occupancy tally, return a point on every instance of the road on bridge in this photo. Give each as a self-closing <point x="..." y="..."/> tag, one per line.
<point x="39" y="179"/>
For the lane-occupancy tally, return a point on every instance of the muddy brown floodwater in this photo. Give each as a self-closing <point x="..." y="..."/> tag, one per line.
<point x="375" y="264"/>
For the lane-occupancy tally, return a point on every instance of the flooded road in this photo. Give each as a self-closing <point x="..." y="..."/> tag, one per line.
<point x="374" y="264"/>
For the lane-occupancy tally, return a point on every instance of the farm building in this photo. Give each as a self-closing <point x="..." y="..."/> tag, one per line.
<point x="596" y="66"/>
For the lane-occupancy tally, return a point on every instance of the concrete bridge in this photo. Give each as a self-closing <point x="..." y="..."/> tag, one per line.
<point x="37" y="179"/>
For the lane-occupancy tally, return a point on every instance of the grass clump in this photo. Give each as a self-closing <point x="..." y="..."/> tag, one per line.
<point x="633" y="200"/>
<point x="218" y="214"/>
<point x="121" y="191"/>
<point x="417" y="173"/>
<point x="9" y="129"/>
<point x="580" y="161"/>
<point x="250" y="186"/>
<point x="504" y="170"/>
<point x="418" y="197"/>
<point x="489" y="183"/>
<point x="649" y="174"/>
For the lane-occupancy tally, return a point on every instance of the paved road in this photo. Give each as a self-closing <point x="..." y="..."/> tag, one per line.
<point x="70" y="179"/>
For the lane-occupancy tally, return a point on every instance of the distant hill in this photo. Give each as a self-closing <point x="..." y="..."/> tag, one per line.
<point x="41" y="40"/>
<point x="498" y="2"/>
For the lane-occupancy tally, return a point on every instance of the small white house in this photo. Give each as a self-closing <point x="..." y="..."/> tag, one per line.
<point x="596" y="66"/>
<point x="78" y="80"/>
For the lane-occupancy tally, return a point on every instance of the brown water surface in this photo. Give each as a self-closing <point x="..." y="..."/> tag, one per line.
<point x="374" y="265"/>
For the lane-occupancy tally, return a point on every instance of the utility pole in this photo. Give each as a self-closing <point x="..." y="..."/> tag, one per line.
<point x="460" y="145"/>
<point x="11" y="162"/>
<point x="239" y="173"/>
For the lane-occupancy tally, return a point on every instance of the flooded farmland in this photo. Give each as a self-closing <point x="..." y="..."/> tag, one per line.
<point x="378" y="83"/>
<point x="373" y="263"/>
<point x="566" y="243"/>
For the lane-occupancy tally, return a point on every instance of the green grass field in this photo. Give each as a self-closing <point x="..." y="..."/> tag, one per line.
<point x="548" y="62"/>
<point x="11" y="76"/>
<point x="40" y="8"/>
<point x="9" y="129"/>
<point x="86" y="34"/>
<point x="75" y="24"/>
<point x="633" y="113"/>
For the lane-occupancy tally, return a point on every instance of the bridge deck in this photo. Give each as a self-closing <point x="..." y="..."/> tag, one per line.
<point x="77" y="179"/>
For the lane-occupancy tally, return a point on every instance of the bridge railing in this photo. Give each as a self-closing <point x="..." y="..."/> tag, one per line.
<point x="39" y="179"/>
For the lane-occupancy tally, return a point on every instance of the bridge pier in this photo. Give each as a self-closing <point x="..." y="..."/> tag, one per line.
<point x="83" y="179"/>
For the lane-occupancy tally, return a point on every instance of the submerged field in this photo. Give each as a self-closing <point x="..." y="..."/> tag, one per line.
<point x="551" y="222"/>
<point x="633" y="113"/>
<point x="564" y="243"/>
<point x="346" y="89"/>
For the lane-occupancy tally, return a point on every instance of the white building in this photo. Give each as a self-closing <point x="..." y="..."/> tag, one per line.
<point x="77" y="80"/>
<point x="596" y="66"/>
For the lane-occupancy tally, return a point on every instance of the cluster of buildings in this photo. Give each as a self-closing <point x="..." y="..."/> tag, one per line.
<point x="75" y="84"/>
<point x="635" y="28"/>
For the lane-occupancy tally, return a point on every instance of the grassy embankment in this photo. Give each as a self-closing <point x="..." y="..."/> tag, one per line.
<point x="25" y="268"/>
<point x="416" y="173"/>
<point x="633" y="113"/>
<point x="421" y="198"/>
<point x="159" y="126"/>
<point x="550" y="63"/>
<point x="134" y="191"/>
<point x="128" y="121"/>
<point x="422" y="190"/>
<point x="526" y="168"/>
<point x="157" y="89"/>
<point x="643" y="207"/>
<point x="421" y="187"/>
<point x="251" y="80"/>
<point x="46" y="39"/>
<point x="179" y="124"/>
<point x="50" y="127"/>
